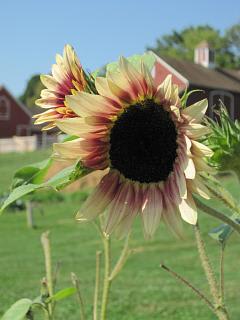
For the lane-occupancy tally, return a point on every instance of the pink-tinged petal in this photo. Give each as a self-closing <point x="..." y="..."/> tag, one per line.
<point x="152" y="210"/>
<point x="148" y="85"/>
<point x="120" y="206"/>
<point x="201" y="150"/>
<point x="85" y="104"/>
<point x="197" y="186"/>
<point x="124" y="226"/>
<point x="122" y="94"/>
<point x="171" y="217"/>
<point x="196" y="111"/>
<point x="188" y="210"/>
<point x="96" y="161"/>
<point x="100" y="198"/>
<point x="134" y="78"/>
<point x="180" y="181"/>
<point x="104" y="90"/>
<point x="98" y="120"/>
<point x="77" y="126"/>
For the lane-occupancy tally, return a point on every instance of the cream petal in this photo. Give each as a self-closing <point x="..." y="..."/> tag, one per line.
<point x="200" y="149"/>
<point x="188" y="210"/>
<point x="197" y="186"/>
<point x="196" y="111"/>
<point x="100" y="198"/>
<point x="190" y="170"/>
<point x="201" y="165"/>
<point x="151" y="213"/>
<point x="49" y="82"/>
<point x="69" y="150"/>
<point x="196" y="131"/>
<point x="104" y="90"/>
<point x="164" y="89"/>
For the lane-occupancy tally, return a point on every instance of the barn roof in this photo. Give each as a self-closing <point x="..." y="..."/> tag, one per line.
<point x="200" y="76"/>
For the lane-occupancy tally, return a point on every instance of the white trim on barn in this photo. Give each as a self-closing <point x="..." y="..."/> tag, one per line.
<point x="17" y="101"/>
<point x="171" y="69"/>
<point x="5" y="114"/>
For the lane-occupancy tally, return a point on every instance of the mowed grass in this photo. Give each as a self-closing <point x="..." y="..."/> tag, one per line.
<point x="142" y="291"/>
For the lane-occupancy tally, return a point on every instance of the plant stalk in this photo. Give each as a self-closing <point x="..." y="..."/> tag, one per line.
<point x="220" y="311"/>
<point x="76" y="284"/>
<point x="97" y="281"/>
<point x="107" y="280"/>
<point x="188" y="284"/>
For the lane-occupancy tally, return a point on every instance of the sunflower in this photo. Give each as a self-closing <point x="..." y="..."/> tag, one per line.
<point x="67" y="77"/>
<point x="148" y="142"/>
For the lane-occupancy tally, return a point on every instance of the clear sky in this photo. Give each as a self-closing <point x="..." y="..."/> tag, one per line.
<point x="32" y="31"/>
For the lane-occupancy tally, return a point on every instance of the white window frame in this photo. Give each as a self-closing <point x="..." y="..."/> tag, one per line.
<point x="5" y="116"/>
<point x="221" y="94"/>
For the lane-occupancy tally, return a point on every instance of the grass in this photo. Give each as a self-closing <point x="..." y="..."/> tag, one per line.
<point x="143" y="291"/>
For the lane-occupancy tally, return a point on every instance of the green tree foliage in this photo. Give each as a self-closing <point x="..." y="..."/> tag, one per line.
<point x="32" y="91"/>
<point x="181" y="44"/>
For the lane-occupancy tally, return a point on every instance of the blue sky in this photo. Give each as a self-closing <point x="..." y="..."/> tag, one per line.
<point x="31" y="32"/>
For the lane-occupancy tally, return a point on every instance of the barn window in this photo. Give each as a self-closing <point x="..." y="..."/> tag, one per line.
<point x="4" y="108"/>
<point x="226" y="97"/>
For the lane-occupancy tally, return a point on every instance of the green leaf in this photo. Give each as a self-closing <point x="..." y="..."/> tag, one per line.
<point x="18" y="310"/>
<point x="33" y="173"/>
<point x="148" y="58"/>
<point x="18" y="193"/>
<point x="57" y="182"/>
<point x="224" y="231"/>
<point x="62" y="294"/>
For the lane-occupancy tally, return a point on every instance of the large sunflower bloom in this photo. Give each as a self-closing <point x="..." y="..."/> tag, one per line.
<point x="67" y="77"/>
<point x="147" y="141"/>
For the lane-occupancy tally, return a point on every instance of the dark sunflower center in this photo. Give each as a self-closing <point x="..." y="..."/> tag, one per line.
<point x="143" y="143"/>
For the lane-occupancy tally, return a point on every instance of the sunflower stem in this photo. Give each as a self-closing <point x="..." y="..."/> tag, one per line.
<point x="76" y="284"/>
<point x="216" y="214"/>
<point x="107" y="281"/>
<point x="45" y="240"/>
<point x="189" y="285"/>
<point x="221" y="280"/>
<point x="122" y="259"/>
<point x="97" y="281"/>
<point x="220" y="310"/>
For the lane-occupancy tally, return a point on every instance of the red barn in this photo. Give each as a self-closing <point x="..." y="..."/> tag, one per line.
<point x="15" y="118"/>
<point x="215" y="83"/>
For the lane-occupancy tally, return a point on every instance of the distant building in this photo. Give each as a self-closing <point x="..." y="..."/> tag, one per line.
<point x="17" y="131"/>
<point x="216" y="83"/>
<point x="15" y="118"/>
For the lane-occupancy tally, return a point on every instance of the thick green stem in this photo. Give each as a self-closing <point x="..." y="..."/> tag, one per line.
<point x="48" y="266"/>
<point x="96" y="291"/>
<point x="107" y="280"/>
<point x="220" y="311"/>
<point x="216" y="214"/>
<point x="122" y="259"/>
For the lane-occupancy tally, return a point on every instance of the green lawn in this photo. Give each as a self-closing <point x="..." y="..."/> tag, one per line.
<point x="142" y="291"/>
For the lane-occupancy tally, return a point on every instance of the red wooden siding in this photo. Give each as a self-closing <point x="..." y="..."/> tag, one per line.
<point x="17" y="116"/>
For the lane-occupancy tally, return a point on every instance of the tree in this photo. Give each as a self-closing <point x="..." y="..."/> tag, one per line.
<point x="32" y="91"/>
<point x="181" y="44"/>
